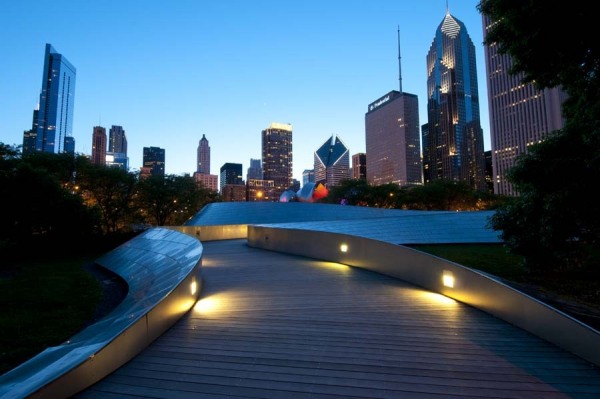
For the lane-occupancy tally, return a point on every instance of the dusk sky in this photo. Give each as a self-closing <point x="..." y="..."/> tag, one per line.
<point x="171" y="71"/>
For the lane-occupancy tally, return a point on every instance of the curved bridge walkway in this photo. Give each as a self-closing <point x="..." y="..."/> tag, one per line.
<point x="271" y="325"/>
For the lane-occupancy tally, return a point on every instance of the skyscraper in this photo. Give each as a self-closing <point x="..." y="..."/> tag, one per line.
<point x="231" y="173"/>
<point x="255" y="170"/>
<point x="99" y="146"/>
<point x="392" y="139"/>
<point x="231" y="182"/>
<point x="117" y="140"/>
<point x="116" y="155"/>
<point x="520" y="115"/>
<point x="277" y="157"/>
<point x="154" y="162"/>
<point x="308" y="176"/>
<point x="55" y="116"/>
<point x="29" y="136"/>
<point x="359" y="166"/>
<point x="453" y="138"/>
<point x="332" y="162"/>
<point x="203" y="156"/>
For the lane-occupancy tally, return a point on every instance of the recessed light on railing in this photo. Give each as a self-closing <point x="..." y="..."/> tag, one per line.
<point x="344" y="247"/>
<point x="448" y="279"/>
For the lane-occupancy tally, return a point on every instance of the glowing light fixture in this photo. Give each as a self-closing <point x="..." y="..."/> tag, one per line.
<point x="344" y="247"/>
<point x="448" y="279"/>
<point x="193" y="287"/>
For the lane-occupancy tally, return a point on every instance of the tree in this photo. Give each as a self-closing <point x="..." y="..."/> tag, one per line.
<point x="170" y="199"/>
<point x="443" y="195"/>
<point x="111" y="190"/>
<point x="555" y="221"/>
<point x="38" y="210"/>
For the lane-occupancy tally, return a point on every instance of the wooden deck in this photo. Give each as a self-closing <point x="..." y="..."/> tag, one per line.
<point x="271" y="325"/>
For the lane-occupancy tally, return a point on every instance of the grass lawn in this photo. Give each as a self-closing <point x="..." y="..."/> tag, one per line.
<point x="43" y="304"/>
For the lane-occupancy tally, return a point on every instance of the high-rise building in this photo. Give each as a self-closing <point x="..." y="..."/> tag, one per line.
<point x="210" y="182"/>
<point x="154" y="162"/>
<point x="277" y="157"/>
<point x="29" y="136"/>
<point x="117" y="140"/>
<point x="203" y="156"/>
<point x="117" y="148"/>
<point x="392" y="140"/>
<point x="453" y="142"/>
<point x="359" y="166"/>
<point x="231" y="182"/>
<point x="69" y="145"/>
<point x="332" y="162"/>
<point x="520" y="115"/>
<point x="57" y="97"/>
<point x="308" y="176"/>
<point x="117" y="160"/>
<point x="231" y="174"/>
<point x="255" y="170"/>
<point x="393" y="145"/>
<point x="99" y="145"/>
<point x="259" y="190"/>
<point x="234" y="192"/>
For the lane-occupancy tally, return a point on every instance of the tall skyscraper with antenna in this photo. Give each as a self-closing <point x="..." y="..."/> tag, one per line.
<point x="452" y="137"/>
<point x="393" y="146"/>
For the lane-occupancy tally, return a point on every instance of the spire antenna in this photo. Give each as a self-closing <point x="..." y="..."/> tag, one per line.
<point x="399" y="63"/>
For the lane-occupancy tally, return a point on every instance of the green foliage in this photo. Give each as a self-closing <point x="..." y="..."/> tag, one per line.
<point x="52" y="200"/>
<point x="555" y="222"/>
<point x="43" y="304"/>
<point x="111" y="190"/>
<point x="437" y="195"/>
<point x="37" y="206"/>
<point x="170" y="199"/>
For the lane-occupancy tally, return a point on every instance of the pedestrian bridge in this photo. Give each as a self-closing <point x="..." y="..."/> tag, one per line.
<point x="336" y="307"/>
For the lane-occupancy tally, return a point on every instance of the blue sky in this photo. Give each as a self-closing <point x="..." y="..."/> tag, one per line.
<point x="171" y="71"/>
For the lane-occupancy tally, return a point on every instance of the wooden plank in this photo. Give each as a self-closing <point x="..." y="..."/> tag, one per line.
<point x="271" y="325"/>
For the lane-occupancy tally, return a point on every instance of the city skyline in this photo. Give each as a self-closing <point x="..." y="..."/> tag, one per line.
<point x="212" y="71"/>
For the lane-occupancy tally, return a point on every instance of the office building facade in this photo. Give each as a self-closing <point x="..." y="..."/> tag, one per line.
<point x="210" y="182"/>
<point x="331" y="162"/>
<point x="56" y="105"/>
<point x="393" y="146"/>
<point x="255" y="170"/>
<point x="231" y="174"/>
<point x="453" y="143"/>
<point x="308" y="176"/>
<point x="117" y="148"/>
<point x="99" y="146"/>
<point x="154" y="162"/>
<point x="117" y="139"/>
<point x="277" y="157"/>
<point x="259" y="190"/>
<point x="203" y="156"/>
<point x="359" y="166"/>
<point x="29" y="136"/>
<point x="520" y="115"/>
